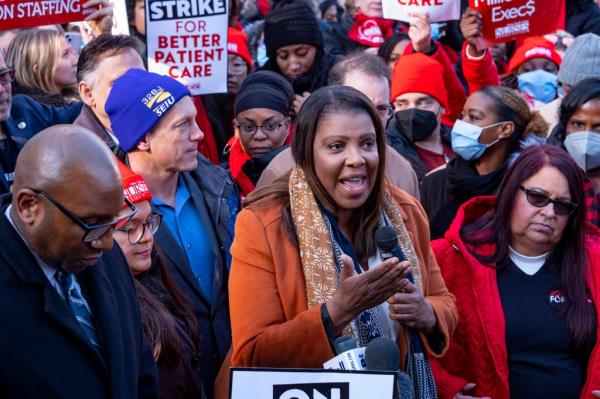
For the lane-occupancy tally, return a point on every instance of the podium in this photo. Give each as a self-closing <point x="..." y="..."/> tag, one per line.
<point x="271" y="383"/>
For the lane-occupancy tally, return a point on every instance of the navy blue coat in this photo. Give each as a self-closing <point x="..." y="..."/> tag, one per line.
<point x="28" y="117"/>
<point x="44" y="353"/>
<point x="215" y="197"/>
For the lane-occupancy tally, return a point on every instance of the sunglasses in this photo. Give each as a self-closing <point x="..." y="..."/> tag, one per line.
<point x="540" y="200"/>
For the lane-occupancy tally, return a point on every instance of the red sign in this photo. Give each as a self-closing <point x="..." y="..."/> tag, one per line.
<point x="28" y="13"/>
<point x="505" y="20"/>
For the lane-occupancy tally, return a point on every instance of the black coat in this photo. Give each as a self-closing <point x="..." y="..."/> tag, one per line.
<point x="215" y="197"/>
<point x="585" y="19"/>
<point x="44" y="353"/>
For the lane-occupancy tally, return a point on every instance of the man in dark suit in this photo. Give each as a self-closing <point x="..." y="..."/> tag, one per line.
<point x="153" y="117"/>
<point x="71" y="323"/>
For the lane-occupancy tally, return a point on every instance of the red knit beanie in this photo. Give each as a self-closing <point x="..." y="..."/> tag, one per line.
<point x="533" y="47"/>
<point x="237" y="43"/>
<point x="418" y="73"/>
<point x="135" y="188"/>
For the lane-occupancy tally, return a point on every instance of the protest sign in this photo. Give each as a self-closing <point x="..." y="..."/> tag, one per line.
<point x="120" y="20"/>
<point x="187" y="40"/>
<point x="24" y="14"/>
<point x="436" y="10"/>
<point x="268" y="383"/>
<point x="505" y="20"/>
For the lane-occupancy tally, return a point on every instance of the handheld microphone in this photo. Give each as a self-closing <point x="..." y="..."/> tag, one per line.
<point x="349" y="356"/>
<point x="386" y="240"/>
<point x="382" y="354"/>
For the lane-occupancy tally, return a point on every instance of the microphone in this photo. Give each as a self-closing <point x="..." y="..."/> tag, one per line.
<point x="386" y="240"/>
<point x="382" y="354"/>
<point x="349" y="356"/>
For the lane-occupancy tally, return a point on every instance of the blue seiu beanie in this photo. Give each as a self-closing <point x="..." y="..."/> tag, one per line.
<point x="137" y="101"/>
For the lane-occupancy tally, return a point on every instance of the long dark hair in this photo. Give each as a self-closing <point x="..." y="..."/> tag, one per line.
<point x="314" y="79"/>
<point x="325" y="101"/>
<point x="161" y="303"/>
<point x="581" y="93"/>
<point x="494" y="228"/>
<point x="387" y="47"/>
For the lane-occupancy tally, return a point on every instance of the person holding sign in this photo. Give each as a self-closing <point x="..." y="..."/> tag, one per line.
<point x="305" y="268"/>
<point x="294" y="45"/>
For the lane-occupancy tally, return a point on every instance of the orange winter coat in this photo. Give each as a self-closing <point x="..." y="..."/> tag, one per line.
<point x="272" y="325"/>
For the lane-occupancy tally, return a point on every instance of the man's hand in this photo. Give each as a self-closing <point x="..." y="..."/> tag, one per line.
<point x="100" y="18"/>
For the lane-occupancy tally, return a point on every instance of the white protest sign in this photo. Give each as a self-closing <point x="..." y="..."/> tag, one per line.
<point x="437" y="10"/>
<point x="310" y="384"/>
<point x="120" y="20"/>
<point x="187" y="40"/>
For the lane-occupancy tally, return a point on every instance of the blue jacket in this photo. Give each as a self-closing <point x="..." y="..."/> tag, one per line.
<point x="28" y="117"/>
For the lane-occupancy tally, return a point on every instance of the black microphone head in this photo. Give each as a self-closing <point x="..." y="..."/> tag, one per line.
<point x="382" y="354"/>
<point x="386" y="238"/>
<point x="343" y="344"/>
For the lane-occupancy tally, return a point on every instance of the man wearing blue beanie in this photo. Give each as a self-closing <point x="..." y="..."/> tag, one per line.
<point x="154" y="118"/>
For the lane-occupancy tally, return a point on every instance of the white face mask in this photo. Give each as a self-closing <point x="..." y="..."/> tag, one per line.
<point x="584" y="148"/>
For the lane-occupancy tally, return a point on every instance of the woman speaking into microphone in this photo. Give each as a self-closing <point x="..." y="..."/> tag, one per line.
<point x="305" y="266"/>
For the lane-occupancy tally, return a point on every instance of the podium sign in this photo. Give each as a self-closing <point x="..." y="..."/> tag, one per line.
<point x="265" y="383"/>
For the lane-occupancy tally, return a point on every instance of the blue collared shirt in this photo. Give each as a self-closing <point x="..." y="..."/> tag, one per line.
<point x="186" y="225"/>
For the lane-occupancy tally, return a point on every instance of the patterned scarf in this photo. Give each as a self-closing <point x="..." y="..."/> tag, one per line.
<point x="320" y="253"/>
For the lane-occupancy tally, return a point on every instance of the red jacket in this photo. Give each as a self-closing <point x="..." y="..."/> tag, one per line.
<point x="477" y="351"/>
<point x="479" y="72"/>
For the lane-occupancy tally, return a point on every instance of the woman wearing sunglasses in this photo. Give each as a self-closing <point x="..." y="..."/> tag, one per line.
<point x="525" y="270"/>
<point x="167" y="318"/>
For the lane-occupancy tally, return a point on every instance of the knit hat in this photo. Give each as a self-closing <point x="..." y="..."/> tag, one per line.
<point x="265" y="89"/>
<point x="418" y="73"/>
<point x="237" y="43"/>
<point x="135" y="188"/>
<point x="533" y="47"/>
<point x="291" y="22"/>
<point x="581" y="60"/>
<point x="137" y="101"/>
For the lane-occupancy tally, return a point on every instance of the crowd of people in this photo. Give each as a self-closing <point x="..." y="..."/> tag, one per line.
<point x="152" y="239"/>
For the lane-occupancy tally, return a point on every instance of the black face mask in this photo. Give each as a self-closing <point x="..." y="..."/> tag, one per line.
<point x="416" y="124"/>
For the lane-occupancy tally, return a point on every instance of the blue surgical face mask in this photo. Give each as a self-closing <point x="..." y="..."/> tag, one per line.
<point x="261" y="53"/>
<point x="539" y="84"/>
<point x="465" y="140"/>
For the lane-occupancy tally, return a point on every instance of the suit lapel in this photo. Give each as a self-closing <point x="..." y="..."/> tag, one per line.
<point x="100" y="296"/>
<point x="19" y="258"/>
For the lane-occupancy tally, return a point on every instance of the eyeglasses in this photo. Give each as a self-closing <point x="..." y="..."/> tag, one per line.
<point x="540" y="200"/>
<point x="92" y="232"/>
<point x="136" y="231"/>
<point x="248" y="129"/>
<point x="7" y="75"/>
<point x="385" y="111"/>
<point x="237" y="68"/>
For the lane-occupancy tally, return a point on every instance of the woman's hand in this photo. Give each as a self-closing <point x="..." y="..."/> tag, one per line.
<point x="468" y="387"/>
<point x="299" y="100"/>
<point x="420" y="33"/>
<point x="471" y="28"/>
<point x="100" y="20"/>
<point x="409" y="307"/>
<point x="357" y="292"/>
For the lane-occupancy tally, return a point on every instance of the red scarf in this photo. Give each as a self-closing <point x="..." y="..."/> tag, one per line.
<point x="208" y="146"/>
<point x="371" y="31"/>
<point x="237" y="158"/>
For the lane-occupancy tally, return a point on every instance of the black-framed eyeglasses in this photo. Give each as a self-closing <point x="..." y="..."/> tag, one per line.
<point x="538" y="199"/>
<point x="95" y="231"/>
<point x="136" y="231"/>
<point x="7" y="75"/>
<point x="385" y="110"/>
<point x="248" y="129"/>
